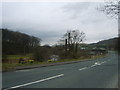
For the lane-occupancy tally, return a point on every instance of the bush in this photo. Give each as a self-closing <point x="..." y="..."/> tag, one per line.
<point x="41" y="54"/>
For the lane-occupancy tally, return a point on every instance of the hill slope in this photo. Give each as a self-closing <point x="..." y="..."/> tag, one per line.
<point x="110" y="43"/>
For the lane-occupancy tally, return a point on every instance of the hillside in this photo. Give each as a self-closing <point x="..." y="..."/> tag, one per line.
<point x="14" y="42"/>
<point x="110" y="43"/>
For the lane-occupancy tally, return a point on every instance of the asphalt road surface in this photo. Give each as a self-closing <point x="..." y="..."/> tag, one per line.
<point x="99" y="73"/>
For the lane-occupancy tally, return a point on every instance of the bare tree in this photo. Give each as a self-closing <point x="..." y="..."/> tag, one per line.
<point x="72" y="39"/>
<point x="111" y="8"/>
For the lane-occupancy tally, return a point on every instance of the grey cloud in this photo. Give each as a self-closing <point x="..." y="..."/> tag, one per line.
<point x="50" y="21"/>
<point x="76" y="8"/>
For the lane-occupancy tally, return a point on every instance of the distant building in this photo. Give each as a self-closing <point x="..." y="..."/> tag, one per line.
<point x="96" y="51"/>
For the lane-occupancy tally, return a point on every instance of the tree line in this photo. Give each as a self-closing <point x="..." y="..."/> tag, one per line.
<point x="14" y="42"/>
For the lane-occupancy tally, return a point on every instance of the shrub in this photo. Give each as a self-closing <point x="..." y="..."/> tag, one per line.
<point x="41" y="54"/>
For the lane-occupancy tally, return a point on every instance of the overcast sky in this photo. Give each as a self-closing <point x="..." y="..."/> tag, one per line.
<point x="50" y="20"/>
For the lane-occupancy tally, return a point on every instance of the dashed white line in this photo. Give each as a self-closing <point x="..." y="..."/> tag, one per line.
<point x="102" y="62"/>
<point x="97" y="63"/>
<point x="82" y="68"/>
<point x="36" y="81"/>
<point x="93" y="65"/>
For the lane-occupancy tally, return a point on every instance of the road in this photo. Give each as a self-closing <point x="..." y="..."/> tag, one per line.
<point x="99" y="73"/>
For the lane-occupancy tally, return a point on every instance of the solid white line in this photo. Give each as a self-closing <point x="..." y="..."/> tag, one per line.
<point x="36" y="81"/>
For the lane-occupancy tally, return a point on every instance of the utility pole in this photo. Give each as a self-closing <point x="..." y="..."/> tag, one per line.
<point x="66" y="47"/>
<point x="69" y="40"/>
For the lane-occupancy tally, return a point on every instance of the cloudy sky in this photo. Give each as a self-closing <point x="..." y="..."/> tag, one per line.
<point x="50" y="20"/>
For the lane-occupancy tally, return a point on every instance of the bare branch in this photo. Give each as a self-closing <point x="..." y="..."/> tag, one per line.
<point x="111" y="8"/>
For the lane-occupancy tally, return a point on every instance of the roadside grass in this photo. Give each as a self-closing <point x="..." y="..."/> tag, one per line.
<point x="11" y="66"/>
<point x="8" y="67"/>
<point x="17" y="56"/>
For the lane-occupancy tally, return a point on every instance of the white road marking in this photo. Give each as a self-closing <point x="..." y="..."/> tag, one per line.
<point x="93" y="65"/>
<point x="37" y="81"/>
<point x="97" y="63"/>
<point x="103" y="62"/>
<point x="82" y="68"/>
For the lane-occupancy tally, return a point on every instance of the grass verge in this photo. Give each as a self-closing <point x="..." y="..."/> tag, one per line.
<point x="11" y="66"/>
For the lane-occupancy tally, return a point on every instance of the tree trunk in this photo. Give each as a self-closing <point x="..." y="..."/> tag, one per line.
<point x="76" y="48"/>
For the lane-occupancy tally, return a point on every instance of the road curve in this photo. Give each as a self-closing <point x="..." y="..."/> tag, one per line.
<point x="99" y="73"/>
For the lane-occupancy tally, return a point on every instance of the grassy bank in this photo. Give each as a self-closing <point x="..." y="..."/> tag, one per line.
<point x="10" y="66"/>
